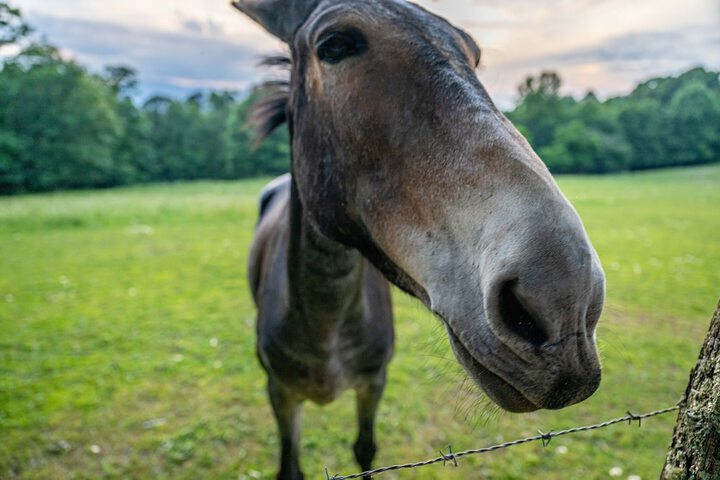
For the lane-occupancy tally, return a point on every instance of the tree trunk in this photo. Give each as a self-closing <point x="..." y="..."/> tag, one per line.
<point x="695" y="449"/>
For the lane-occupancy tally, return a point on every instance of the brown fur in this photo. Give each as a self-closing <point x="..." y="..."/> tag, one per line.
<point x="403" y="169"/>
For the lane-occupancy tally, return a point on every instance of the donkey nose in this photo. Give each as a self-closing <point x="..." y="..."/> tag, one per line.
<point x="516" y="319"/>
<point x="543" y="326"/>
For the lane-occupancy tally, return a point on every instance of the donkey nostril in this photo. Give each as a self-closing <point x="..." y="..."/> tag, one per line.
<point x="517" y="318"/>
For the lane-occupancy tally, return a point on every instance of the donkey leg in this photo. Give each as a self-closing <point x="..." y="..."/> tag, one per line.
<point x="287" y="409"/>
<point x="368" y="398"/>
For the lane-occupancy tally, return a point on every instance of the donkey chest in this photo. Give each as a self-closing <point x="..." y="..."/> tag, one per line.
<point x="320" y="367"/>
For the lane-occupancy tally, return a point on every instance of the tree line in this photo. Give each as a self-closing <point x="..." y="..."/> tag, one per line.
<point x="663" y="122"/>
<point x="64" y="127"/>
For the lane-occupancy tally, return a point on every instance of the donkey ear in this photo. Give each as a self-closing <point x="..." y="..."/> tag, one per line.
<point x="473" y="51"/>
<point x="282" y="18"/>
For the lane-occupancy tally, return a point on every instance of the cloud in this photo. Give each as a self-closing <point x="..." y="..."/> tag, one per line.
<point x="198" y="27"/>
<point x="192" y="26"/>
<point x="700" y="44"/>
<point x="193" y="48"/>
<point x="612" y="66"/>
<point x="197" y="55"/>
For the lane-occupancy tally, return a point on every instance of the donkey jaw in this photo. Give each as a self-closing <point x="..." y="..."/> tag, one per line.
<point x="512" y="395"/>
<point x="501" y="392"/>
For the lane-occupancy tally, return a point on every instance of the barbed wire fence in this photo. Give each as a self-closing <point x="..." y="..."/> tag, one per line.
<point x="542" y="437"/>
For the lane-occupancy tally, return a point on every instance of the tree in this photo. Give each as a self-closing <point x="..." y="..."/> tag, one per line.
<point x="12" y="176"/>
<point x="217" y="157"/>
<point x="541" y="108"/>
<point x="63" y="127"/>
<point x="694" y="453"/>
<point x="694" y="120"/>
<point x="579" y="148"/>
<point x="547" y="83"/>
<point x="663" y="89"/>
<point x="573" y="149"/>
<point x="663" y="122"/>
<point x="12" y="26"/>
<point x="63" y="118"/>
<point x="645" y="128"/>
<point x="122" y="79"/>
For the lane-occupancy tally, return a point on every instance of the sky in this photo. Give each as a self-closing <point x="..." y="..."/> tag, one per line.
<point x="606" y="46"/>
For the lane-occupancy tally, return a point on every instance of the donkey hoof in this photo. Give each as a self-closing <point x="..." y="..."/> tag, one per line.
<point x="364" y="454"/>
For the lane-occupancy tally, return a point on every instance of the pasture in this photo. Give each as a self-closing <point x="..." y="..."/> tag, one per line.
<point x="127" y="341"/>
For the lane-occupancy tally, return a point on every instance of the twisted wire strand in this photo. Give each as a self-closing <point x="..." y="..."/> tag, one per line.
<point x="545" y="438"/>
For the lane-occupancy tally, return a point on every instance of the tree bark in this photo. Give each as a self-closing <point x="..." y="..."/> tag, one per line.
<point x="695" y="449"/>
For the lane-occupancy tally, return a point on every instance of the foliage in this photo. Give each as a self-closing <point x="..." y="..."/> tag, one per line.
<point x="541" y="108"/>
<point x="663" y="122"/>
<point x="62" y="127"/>
<point x="12" y="26"/>
<point x="64" y="120"/>
<point x="126" y="323"/>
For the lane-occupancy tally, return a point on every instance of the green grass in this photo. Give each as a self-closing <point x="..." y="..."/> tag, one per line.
<point x="126" y="324"/>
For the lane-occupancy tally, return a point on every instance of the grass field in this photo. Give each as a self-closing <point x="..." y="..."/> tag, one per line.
<point x="127" y="341"/>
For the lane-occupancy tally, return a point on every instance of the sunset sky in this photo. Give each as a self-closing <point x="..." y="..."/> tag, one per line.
<point x="605" y="45"/>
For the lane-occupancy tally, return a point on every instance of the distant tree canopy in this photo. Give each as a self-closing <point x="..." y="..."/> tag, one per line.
<point x="63" y="127"/>
<point x="12" y="26"/>
<point x="664" y="122"/>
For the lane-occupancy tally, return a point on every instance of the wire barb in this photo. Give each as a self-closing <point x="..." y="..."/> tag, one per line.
<point x="545" y="438"/>
<point x="450" y="457"/>
<point x="542" y="437"/>
<point x="633" y="418"/>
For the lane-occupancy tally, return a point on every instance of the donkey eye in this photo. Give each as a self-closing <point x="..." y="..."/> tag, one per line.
<point x="337" y="46"/>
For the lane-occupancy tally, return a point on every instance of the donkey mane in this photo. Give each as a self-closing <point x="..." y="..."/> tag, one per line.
<point x="270" y="110"/>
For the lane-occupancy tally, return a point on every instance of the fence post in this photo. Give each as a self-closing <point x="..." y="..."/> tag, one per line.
<point x="694" y="453"/>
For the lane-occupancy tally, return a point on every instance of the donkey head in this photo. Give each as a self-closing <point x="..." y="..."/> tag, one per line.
<point x="399" y="152"/>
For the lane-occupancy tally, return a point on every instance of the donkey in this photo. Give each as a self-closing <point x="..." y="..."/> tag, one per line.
<point x="404" y="171"/>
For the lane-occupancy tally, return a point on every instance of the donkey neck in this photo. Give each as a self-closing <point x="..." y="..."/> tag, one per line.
<point x="325" y="276"/>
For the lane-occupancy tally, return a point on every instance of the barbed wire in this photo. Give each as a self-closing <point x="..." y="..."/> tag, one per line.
<point x="543" y="437"/>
